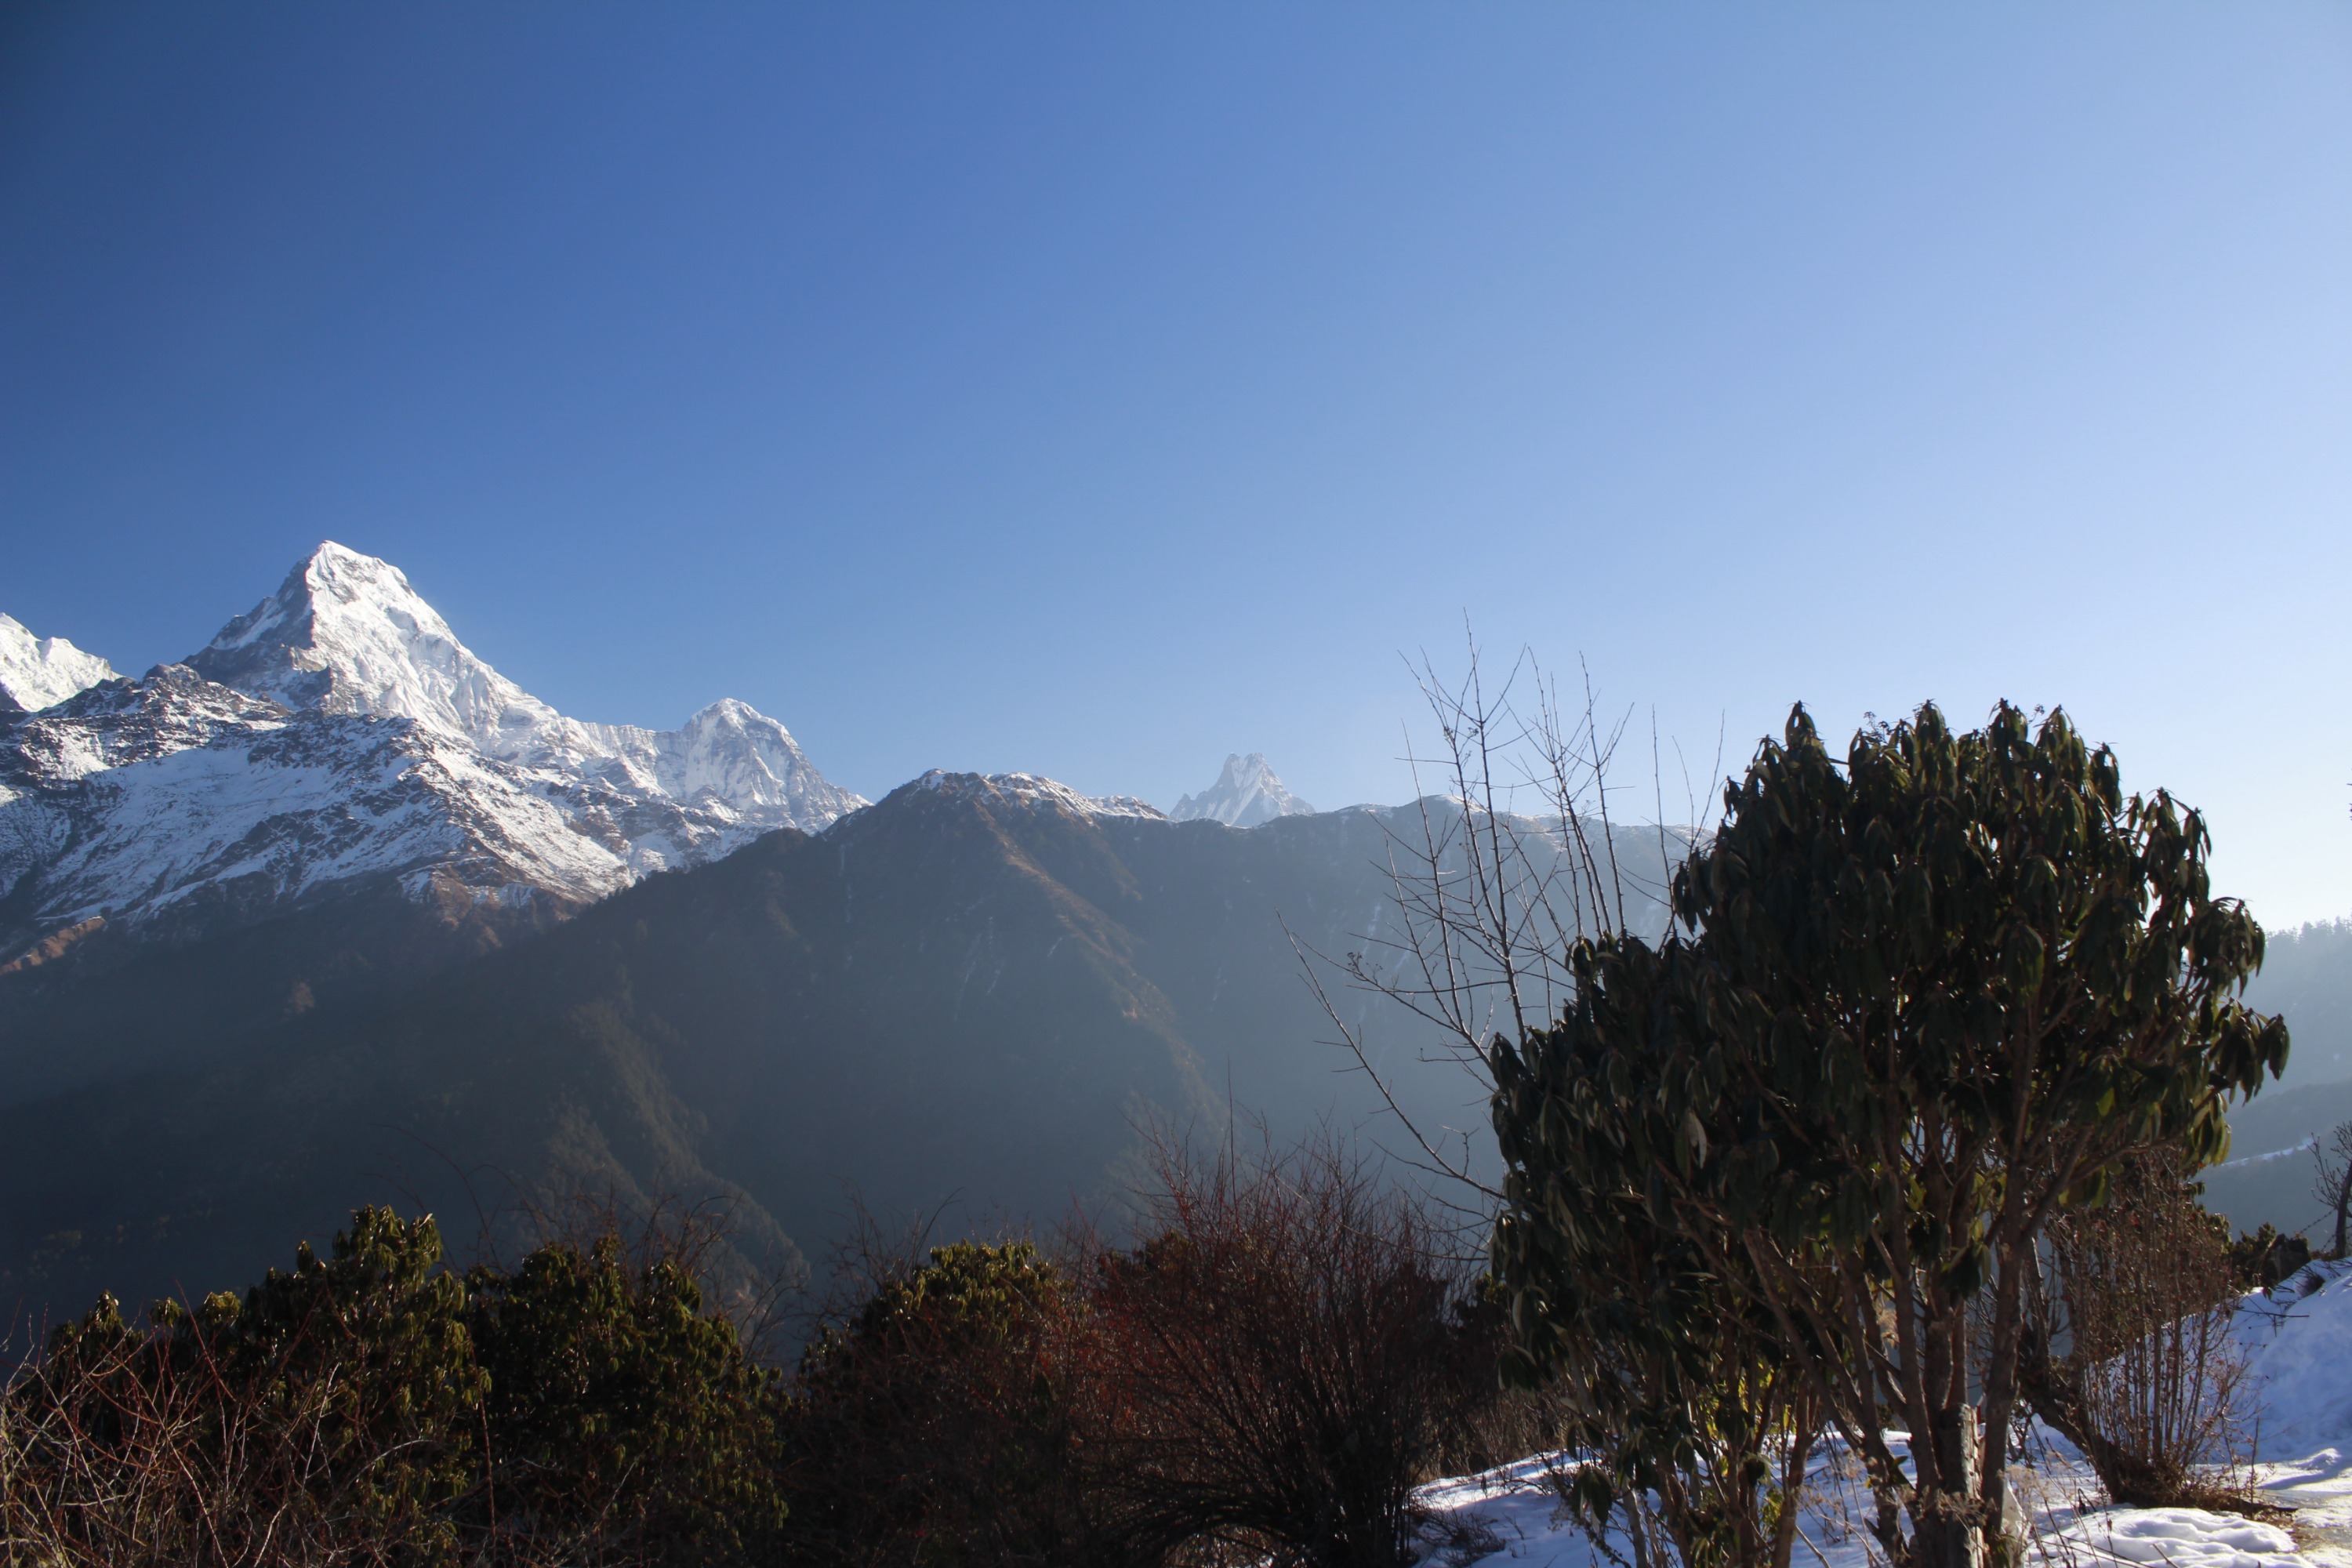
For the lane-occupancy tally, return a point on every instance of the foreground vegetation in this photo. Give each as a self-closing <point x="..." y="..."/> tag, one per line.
<point x="1285" y="1354"/>
<point x="1896" y="1133"/>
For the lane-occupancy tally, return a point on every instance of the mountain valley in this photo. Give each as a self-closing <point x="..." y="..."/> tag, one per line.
<point x="332" y="912"/>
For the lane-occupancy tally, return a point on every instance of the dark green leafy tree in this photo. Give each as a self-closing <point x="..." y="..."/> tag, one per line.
<point x="935" y="1424"/>
<point x="618" y="1408"/>
<point x="1918" y="1002"/>
<point x="1694" y="1421"/>
<point x="366" y="1351"/>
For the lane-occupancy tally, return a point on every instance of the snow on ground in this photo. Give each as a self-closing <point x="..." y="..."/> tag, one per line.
<point x="2297" y="1342"/>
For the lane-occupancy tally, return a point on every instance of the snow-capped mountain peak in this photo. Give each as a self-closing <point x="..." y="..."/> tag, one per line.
<point x="346" y="633"/>
<point x="1245" y="793"/>
<point x="339" y="736"/>
<point x="41" y="672"/>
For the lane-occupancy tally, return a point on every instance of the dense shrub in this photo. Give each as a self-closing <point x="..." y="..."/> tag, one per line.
<point x="373" y="1407"/>
<point x="1263" y="1377"/>
<point x="620" y="1411"/>
<point x="1280" y="1361"/>
<point x="935" y="1424"/>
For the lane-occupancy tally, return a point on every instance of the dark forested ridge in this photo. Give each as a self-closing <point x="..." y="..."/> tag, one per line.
<point x="956" y="996"/>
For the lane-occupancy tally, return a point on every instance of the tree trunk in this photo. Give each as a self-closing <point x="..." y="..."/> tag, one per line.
<point x="1792" y="1482"/>
<point x="1948" y="1522"/>
<point x="1948" y="1536"/>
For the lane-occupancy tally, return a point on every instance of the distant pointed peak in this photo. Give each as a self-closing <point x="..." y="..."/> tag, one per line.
<point x="1246" y="793"/>
<point x="341" y="566"/>
<point x="41" y="672"/>
<point x="1244" y="769"/>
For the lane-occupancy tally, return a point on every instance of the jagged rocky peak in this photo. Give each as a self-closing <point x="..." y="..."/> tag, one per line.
<point x="1244" y="795"/>
<point x="41" y="672"/>
<point x="346" y="633"/>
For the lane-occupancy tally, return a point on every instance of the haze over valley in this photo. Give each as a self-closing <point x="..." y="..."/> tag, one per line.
<point x="333" y="912"/>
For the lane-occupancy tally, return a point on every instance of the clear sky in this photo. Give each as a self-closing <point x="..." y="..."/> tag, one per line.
<point x="1096" y="390"/>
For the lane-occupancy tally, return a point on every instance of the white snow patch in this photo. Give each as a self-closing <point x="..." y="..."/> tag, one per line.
<point x="2298" y="1340"/>
<point x="2305" y="1147"/>
<point x="1029" y="792"/>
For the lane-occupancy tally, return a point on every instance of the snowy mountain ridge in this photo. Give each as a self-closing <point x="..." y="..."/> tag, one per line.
<point x="339" y="733"/>
<point x="1245" y="793"/>
<point x="1032" y="791"/>
<point x="346" y="633"/>
<point x="41" y="672"/>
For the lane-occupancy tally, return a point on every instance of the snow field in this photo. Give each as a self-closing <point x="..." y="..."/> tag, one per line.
<point x="2297" y="1341"/>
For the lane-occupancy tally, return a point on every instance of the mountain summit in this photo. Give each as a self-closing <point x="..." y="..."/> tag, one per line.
<point x="1244" y="795"/>
<point x="41" y="672"/>
<point x="346" y="633"/>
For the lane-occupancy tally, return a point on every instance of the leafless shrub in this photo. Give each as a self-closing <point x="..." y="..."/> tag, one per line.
<point x="1522" y="845"/>
<point x="2332" y="1182"/>
<point x="121" y="1454"/>
<point x="1280" y="1361"/>
<point x="2150" y="1384"/>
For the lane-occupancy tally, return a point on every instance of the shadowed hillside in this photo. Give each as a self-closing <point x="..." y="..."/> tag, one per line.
<point x="967" y="995"/>
<point x="2307" y="977"/>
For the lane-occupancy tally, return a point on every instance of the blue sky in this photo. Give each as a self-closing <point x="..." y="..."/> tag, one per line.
<point x="1098" y="390"/>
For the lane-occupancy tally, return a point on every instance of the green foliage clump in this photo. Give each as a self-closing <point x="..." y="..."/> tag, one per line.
<point x="1920" y="1000"/>
<point x="375" y="1405"/>
<point x="615" y="1395"/>
<point x="936" y="1425"/>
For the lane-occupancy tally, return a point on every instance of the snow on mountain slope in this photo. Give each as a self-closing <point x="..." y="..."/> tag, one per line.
<point x="340" y="733"/>
<point x="1029" y="792"/>
<point x="346" y="633"/>
<point x="41" y="672"/>
<point x="164" y="805"/>
<point x="1244" y="795"/>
